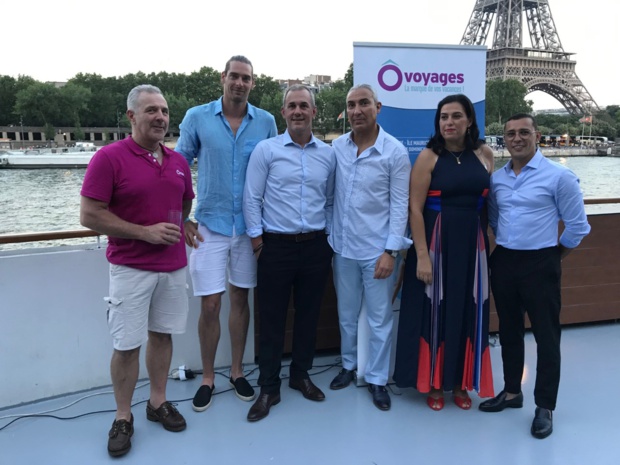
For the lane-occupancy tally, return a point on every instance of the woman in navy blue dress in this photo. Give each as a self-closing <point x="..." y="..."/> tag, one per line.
<point x="444" y="315"/>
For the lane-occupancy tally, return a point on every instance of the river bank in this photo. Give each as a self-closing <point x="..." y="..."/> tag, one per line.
<point x="555" y="152"/>
<point x="49" y="199"/>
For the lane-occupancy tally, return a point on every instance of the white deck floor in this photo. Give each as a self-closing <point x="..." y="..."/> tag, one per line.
<point x="346" y="428"/>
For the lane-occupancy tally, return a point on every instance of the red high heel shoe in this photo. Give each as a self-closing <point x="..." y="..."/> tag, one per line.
<point x="462" y="401"/>
<point x="435" y="403"/>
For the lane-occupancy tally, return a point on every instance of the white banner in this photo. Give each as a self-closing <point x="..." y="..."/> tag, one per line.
<point x="411" y="79"/>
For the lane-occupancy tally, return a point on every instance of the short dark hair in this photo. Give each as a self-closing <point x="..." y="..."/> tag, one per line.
<point x="472" y="138"/>
<point x="240" y="59"/>
<point x="517" y="116"/>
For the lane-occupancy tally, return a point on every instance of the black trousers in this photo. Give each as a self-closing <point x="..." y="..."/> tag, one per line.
<point x="529" y="281"/>
<point x="285" y="266"/>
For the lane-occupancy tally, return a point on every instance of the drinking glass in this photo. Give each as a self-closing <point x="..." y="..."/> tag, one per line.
<point x="175" y="217"/>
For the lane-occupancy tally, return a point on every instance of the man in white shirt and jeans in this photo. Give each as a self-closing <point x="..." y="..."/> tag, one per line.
<point x="370" y="217"/>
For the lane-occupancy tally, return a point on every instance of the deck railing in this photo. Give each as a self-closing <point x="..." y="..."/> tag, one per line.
<point x="48" y="236"/>
<point x="80" y="233"/>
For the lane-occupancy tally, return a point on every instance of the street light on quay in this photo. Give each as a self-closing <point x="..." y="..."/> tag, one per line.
<point x="21" y="123"/>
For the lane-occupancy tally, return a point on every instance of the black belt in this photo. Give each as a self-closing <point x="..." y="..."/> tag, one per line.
<point x="301" y="237"/>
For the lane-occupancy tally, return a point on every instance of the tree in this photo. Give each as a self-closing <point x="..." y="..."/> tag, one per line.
<point x="204" y="85"/>
<point x="49" y="131"/>
<point x="78" y="133"/>
<point x="505" y="98"/>
<point x="330" y="104"/>
<point x="39" y="104"/>
<point x="9" y="87"/>
<point x="348" y="77"/>
<point x="544" y="130"/>
<point x="74" y="100"/>
<point x="7" y="97"/>
<point x="273" y="104"/>
<point x="178" y="106"/>
<point x="107" y="96"/>
<point x="494" y="128"/>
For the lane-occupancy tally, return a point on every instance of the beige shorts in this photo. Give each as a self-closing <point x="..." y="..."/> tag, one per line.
<point x="217" y="256"/>
<point x="142" y="301"/>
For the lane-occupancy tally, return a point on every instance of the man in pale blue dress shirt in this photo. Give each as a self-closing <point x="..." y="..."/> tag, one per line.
<point x="528" y="198"/>
<point x="222" y="135"/>
<point x="287" y="204"/>
<point x="370" y="217"/>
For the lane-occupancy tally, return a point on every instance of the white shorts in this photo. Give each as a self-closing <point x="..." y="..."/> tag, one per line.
<point x="209" y="263"/>
<point x="142" y="301"/>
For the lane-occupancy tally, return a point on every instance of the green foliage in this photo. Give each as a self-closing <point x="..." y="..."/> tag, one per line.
<point x="348" y="77"/>
<point x="603" y="128"/>
<point x="494" y="129"/>
<point x="90" y="100"/>
<point x="49" y="131"/>
<point x="330" y="103"/>
<point x="178" y="106"/>
<point x="39" y="104"/>
<point x="273" y="104"/>
<point x="504" y="99"/>
<point x="73" y="100"/>
<point x="78" y="133"/>
<point x="268" y="96"/>
<point x="544" y="130"/>
<point x="9" y="87"/>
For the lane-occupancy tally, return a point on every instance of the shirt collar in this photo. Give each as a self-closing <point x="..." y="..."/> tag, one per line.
<point x="532" y="164"/>
<point x="378" y="145"/>
<point x="139" y="151"/>
<point x="288" y="140"/>
<point x="251" y="109"/>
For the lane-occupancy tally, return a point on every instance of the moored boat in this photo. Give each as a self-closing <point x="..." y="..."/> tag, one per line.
<point x="45" y="158"/>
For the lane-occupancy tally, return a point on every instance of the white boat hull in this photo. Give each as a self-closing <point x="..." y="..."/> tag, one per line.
<point x="17" y="160"/>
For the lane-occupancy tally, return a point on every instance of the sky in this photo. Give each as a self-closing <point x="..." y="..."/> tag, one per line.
<point x="55" y="40"/>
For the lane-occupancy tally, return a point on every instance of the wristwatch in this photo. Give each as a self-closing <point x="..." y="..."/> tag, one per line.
<point x="393" y="253"/>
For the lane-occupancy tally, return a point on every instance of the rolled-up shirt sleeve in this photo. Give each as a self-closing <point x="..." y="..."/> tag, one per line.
<point x="188" y="144"/>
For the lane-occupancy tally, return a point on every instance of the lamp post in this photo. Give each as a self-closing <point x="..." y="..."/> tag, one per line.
<point x="21" y="123"/>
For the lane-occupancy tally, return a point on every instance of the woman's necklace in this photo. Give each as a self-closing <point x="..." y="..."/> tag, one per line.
<point x="457" y="158"/>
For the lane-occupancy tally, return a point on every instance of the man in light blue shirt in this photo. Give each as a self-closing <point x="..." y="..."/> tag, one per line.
<point x="287" y="204"/>
<point x="528" y="198"/>
<point x="370" y="218"/>
<point x="222" y="135"/>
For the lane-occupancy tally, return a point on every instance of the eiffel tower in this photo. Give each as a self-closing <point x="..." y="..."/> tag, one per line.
<point x="544" y="66"/>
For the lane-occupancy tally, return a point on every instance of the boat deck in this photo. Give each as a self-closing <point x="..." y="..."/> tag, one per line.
<point x="346" y="428"/>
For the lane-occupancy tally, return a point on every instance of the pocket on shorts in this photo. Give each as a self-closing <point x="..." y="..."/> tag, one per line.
<point x="115" y="323"/>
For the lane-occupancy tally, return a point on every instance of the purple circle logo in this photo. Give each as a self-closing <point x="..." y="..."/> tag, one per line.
<point x="399" y="77"/>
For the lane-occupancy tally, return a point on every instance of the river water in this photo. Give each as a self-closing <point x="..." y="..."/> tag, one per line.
<point x="49" y="199"/>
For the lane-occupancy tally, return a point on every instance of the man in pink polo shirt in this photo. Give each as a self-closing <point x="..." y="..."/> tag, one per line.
<point x="137" y="191"/>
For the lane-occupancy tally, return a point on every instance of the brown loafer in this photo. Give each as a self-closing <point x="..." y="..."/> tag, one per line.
<point x="119" y="437"/>
<point x="307" y="388"/>
<point x="167" y="415"/>
<point x="261" y="407"/>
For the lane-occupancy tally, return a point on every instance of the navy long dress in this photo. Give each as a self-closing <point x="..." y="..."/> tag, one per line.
<point x="443" y="327"/>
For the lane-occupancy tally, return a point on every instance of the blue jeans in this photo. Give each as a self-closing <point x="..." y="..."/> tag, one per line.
<point x="353" y="280"/>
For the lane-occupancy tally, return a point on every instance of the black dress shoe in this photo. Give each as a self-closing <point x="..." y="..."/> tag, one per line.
<point x="342" y="379"/>
<point x="499" y="403"/>
<point x="380" y="396"/>
<point x="261" y="407"/>
<point x="542" y="426"/>
<point x="307" y="388"/>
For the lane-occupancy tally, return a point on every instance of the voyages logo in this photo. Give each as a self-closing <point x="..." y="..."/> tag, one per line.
<point x="391" y="78"/>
